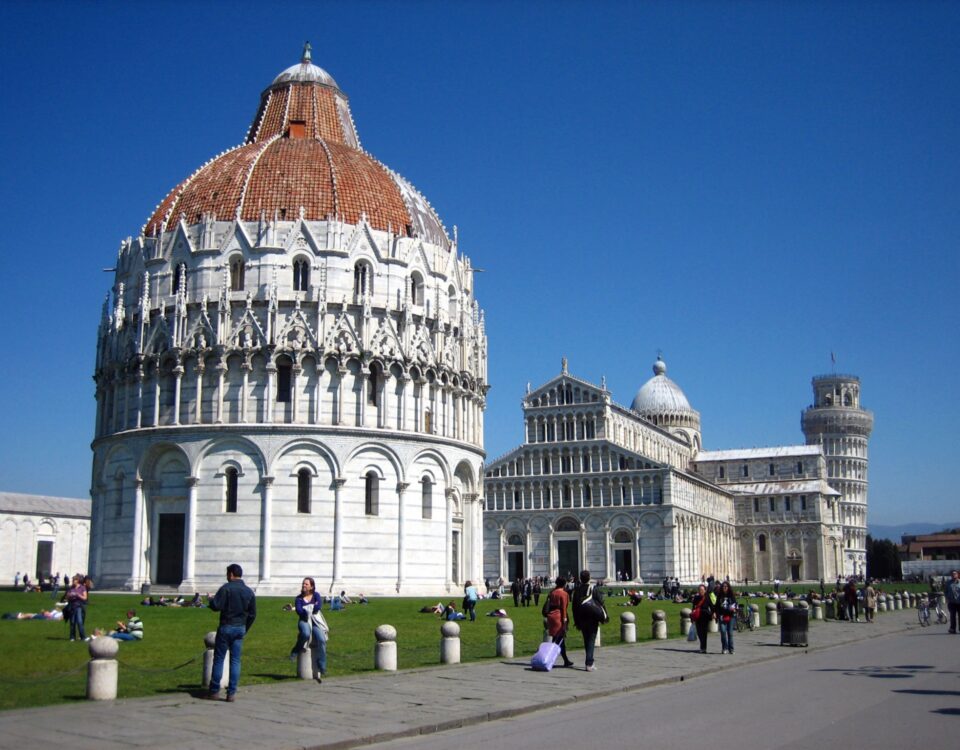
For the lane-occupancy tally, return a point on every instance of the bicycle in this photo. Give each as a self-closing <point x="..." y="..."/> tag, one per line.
<point x="924" y="614"/>
<point x="744" y="620"/>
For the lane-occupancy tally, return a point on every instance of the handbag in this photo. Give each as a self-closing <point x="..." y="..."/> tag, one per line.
<point x="695" y="614"/>
<point x="594" y="609"/>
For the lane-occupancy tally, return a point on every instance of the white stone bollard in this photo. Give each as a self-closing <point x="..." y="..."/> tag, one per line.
<point x="505" y="638"/>
<point x="385" y="652"/>
<point x="773" y="617"/>
<point x="209" y="641"/>
<point x="817" y="610"/>
<point x="713" y="626"/>
<point x="787" y="605"/>
<point x="659" y="625"/>
<point x="596" y="643"/>
<point x="628" y="627"/>
<point x="685" y="621"/>
<point x="897" y="602"/>
<point x="307" y="662"/>
<point x="912" y="599"/>
<point x="102" y="669"/>
<point x="881" y="603"/>
<point x="449" y="643"/>
<point x="755" y="615"/>
<point x="803" y="604"/>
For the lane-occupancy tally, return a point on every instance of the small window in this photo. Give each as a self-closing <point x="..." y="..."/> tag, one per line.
<point x="786" y="503"/>
<point x="362" y="279"/>
<point x="799" y="467"/>
<point x="587" y="493"/>
<point x="179" y="275"/>
<point x="301" y="275"/>
<point x="237" y="270"/>
<point x="723" y="473"/>
<point x="756" y="505"/>
<point x="373" y="386"/>
<point x="452" y="303"/>
<point x="230" y="480"/>
<point x="371" y="494"/>
<point x="284" y="382"/>
<point x="303" y="491"/>
<point x="803" y="502"/>
<point x="773" y="469"/>
<point x="761" y="543"/>
<point x="773" y="504"/>
<point x="745" y="471"/>
<point x="427" y="498"/>
<point x="416" y="289"/>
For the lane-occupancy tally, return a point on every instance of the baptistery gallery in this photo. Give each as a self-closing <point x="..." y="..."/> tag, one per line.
<point x="291" y="372"/>
<point x="630" y="493"/>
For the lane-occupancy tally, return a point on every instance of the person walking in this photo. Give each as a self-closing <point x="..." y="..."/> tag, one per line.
<point x="237" y="605"/>
<point x="952" y="592"/>
<point x="726" y="616"/>
<point x="515" y="590"/>
<point x="555" y="610"/>
<point x="703" y="611"/>
<point x="537" y="590"/>
<point x="470" y="597"/>
<point x="584" y="618"/>
<point x="869" y="600"/>
<point x="309" y="605"/>
<point x="850" y="600"/>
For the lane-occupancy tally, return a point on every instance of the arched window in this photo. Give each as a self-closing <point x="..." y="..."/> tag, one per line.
<point x="568" y="524"/>
<point x="622" y="537"/>
<point x="427" y="498"/>
<point x="237" y="270"/>
<point x="179" y="275"/>
<point x="762" y="543"/>
<point x="452" y="303"/>
<point x="230" y="481"/>
<point x="362" y="279"/>
<point x="284" y="380"/>
<point x="373" y="386"/>
<point x="371" y="494"/>
<point x="416" y="289"/>
<point x="301" y="275"/>
<point x="303" y="491"/>
<point x="515" y="540"/>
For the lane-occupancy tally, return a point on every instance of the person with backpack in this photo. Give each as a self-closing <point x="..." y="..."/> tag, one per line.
<point x="587" y="617"/>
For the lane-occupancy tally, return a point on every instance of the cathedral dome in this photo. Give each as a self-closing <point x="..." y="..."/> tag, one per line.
<point x="660" y="395"/>
<point x="301" y="157"/>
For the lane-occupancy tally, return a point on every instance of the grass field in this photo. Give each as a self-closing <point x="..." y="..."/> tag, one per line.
<point x="39" y="665"/>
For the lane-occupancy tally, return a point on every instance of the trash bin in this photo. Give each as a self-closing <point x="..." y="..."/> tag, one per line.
<point x="793" y="627"/>
<point x="145" y="589"/>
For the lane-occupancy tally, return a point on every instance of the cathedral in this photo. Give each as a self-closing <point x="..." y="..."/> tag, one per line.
<point x="291" y="372"/>
<point x="630" y="494"/>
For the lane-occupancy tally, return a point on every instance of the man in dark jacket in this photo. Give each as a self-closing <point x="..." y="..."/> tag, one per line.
<point x="237" y="606"/>
<point x="583" y="618"/>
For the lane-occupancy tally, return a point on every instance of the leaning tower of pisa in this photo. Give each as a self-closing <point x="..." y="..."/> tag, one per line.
<point x="837" y="422"/>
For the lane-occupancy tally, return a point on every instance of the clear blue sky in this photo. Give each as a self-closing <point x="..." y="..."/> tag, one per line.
<point x="746" y="186"/>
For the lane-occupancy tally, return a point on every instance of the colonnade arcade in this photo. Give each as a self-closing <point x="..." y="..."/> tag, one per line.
<point x="250" y="386"/>
<point x="704" y="547"/>
<point x="575" y="492"/>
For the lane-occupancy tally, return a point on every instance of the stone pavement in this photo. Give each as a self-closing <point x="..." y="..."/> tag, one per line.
<point x="364" y="709"/>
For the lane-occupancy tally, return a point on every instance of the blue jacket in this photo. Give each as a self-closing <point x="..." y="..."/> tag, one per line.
<point x="952" y="590"/>
<point x="301" y="605"/>
<point x="236" y="603"/>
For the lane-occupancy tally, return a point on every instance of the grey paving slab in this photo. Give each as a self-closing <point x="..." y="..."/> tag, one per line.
<point x="362" y="709"/>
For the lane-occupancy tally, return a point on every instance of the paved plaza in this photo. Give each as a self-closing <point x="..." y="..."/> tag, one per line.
<point x="360" y="710"/>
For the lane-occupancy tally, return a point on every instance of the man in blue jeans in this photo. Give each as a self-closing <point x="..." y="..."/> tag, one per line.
<point x="237" y="606"/>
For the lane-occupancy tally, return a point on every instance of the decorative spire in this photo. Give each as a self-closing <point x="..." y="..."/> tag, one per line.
<point x="563" y="365"/>
<point x="306" y="56"/>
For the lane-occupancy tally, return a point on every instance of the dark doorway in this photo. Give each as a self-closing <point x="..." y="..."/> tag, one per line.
<point x="568" y="556"/>
<point x="44" y="560"/>
<point x="795" y="571"/>
<point x="624" y="563"/>
<point x="170" y="549"/>
<point x="515" y="566"/>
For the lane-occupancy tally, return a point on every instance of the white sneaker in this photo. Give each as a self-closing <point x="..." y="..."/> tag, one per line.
<point x="592" y="668"/>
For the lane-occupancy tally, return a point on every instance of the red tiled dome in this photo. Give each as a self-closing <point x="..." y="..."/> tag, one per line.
<point x="302" y="151"/>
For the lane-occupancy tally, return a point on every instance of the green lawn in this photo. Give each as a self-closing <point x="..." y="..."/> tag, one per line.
<point x="40" y="666"/>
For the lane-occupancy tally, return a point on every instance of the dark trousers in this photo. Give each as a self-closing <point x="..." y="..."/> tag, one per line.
<point x="561" y="640"/>
<point x="954" y="608"/>
<point x="589" y="632"/>
<point x="702" y="629"/>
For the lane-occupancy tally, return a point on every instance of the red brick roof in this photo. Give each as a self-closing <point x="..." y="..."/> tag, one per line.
<point x="315" y="164"/>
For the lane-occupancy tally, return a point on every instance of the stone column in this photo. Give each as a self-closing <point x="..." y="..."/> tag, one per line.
<point x="221" y="377"/>
<point x="136" y="557"/>
<point x="449" y="643"/>
<point x="102" y="669"/>
<point x="383" y="413"/>
<point x="449" y="545"/>
<point x="295" y="371"/>
<point x="245" y="392"/>
<point x="139" y="377"/>
<point x="199" y="370"/>
<point x="338" y="542"/>
<point x="363" y="376"/>
<point x="266" y="524"/>
<point x="156" y="394"/>
<point x="659" y="629"/>
<point x="341" y="371"/>
<point x="268" y="401"/>
<point x="190" y="573"/>
<point x="628" y="627"/>
<point x="401" y="539"/>
<point x="404" y="390"/>
<point x="177" y="380"/>
<point x="385" y="652"/>
<point x="505" y="638"/>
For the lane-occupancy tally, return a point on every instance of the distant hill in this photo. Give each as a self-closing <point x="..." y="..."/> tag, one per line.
<point x="879" y="531"/>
